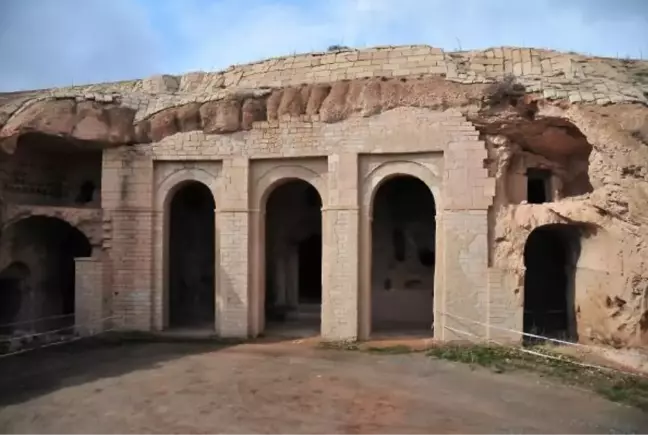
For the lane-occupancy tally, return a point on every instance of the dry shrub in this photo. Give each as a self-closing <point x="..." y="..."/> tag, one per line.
<point x="338" y="48"/>
<point x="505" y="91"/>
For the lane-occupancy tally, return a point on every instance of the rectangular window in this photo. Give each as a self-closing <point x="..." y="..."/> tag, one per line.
<point x="538" y="185"/>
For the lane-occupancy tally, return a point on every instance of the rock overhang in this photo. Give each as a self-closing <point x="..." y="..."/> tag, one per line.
<point x="326" y="87"/>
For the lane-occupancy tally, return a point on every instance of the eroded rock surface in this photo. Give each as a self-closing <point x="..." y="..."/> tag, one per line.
<point x="85" y="120"/>
<point x="603" y="173"/>
<point x="321" y="86"/>
<point x="110" y="124"/>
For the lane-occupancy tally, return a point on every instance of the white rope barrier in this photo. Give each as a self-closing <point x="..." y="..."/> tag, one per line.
<point x="71" y="340"/>
<point x="552" y="357"/>
<point x="524" y="334"/>
<point x="36" y="334"/>
<point x="39" y="320"/>
<point x="63" y="341"/>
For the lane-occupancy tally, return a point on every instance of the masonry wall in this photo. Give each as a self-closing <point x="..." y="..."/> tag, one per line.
<point x="128" y="217"/>
<point x="345" y="162"/>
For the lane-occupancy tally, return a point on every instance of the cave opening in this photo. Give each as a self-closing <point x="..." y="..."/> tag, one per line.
<point x="551" y="256"/>
<point x="403" y="255"/>
<point x="536" y="161"/>
<point x="192" y="258"/>
<point x="40" y="282"/>
<point x="293" y="244"/>
<point x="86" y="192"/>
<point x="53" y="171"/>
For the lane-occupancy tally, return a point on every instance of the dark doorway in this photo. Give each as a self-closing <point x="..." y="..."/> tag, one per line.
<point x="550" y="257"/>
<point x="43" y="272"/>
<point x="310" y="270"/>
<point x="293" y="243"/>
<point x="403" y="255"/>
<point x="12" y="286"/>
<point x="192" y="257"/>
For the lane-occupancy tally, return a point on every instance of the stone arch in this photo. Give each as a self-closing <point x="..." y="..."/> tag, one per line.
<point x="371" y="184"/>
<point x="164" y="194"/>
<point x="53" y="219"/>
<point x="174" y="181"/>
<point x="89" y="224"/>
<point x="277" y="175"/>
<point x="47" y="247"/>
<point x="395" y="168"/>
<point x="263" y="187"/>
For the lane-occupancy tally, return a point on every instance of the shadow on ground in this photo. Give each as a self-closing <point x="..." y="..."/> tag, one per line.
<point x="41" y="371"/>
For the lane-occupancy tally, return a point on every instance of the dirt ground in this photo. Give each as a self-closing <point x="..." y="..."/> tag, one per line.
<point x="134" y="387"/>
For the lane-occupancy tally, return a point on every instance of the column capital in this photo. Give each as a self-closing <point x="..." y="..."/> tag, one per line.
<point x="340" y="208"/>
<point x="236" y="210"/>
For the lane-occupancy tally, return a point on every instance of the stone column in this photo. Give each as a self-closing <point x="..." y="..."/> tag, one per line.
<point x="257" y="275"/>
<point x="340" y="250"/>
<point x="464" y="304"/>
<point x="461" y="310"/>
<point x="126" y="192"/>
<point x="90" y="307"/>
<point x="365" y="286"/>
<point x="233" y="226"/>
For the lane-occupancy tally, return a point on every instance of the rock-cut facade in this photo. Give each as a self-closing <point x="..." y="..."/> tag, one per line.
<point x="474" y="195"/>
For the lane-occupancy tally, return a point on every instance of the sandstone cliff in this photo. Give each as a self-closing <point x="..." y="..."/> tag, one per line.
<point x="584" y="118"/>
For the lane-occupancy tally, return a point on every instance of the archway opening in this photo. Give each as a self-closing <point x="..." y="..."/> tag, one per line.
<point x="551" y="255"/>
<point x="12" y="286"/>
<point x="293" y="244"/>
<point x="192" y="258"/>
<point x="403" y="255"/>
<point x="42" y="273"/>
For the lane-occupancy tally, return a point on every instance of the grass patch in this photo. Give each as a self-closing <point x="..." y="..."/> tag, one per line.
<point x="619" y="387"/>
<point x="398" y="349"/>
<point x="339" y="345"/>
<point x="485" y="356"/>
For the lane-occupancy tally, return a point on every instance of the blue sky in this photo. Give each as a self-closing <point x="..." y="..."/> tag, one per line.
<point x="46" y="43"/>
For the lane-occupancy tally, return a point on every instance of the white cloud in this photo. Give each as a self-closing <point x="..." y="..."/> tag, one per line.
<point x="64" y="41"/>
